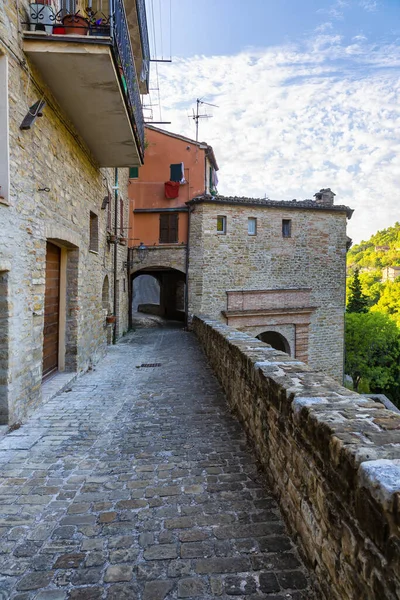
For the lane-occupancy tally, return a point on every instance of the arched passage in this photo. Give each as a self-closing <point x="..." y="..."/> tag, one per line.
<point x="146" y="294"/>
<point x="276" y="340"/>
<point x="159" y="290"/>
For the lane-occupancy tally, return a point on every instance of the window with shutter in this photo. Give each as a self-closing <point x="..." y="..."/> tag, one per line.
<point x="134" y="172"/>
<point x="286" y="228"/>
<point x="168" y="228"/>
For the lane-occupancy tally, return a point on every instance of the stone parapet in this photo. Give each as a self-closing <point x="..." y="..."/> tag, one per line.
<point x="331" y="456"/>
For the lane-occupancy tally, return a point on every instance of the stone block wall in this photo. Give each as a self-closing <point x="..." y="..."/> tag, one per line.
<point x="51" y="155"/>
<point x="312" y="259"/>
<point x="331" y="456"/>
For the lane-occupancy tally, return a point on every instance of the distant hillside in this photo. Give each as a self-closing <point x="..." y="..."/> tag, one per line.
<point x="381" y="250"/>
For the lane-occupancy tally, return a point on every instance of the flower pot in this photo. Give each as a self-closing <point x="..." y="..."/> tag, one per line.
<point x="58" y="30"/>
<point x="75" y="25"/>
<point x="111" y="319"/>
<point x="99" y="30"/>
<point x="41" y="17"/>
<point x="123" y="241"/>
<point x="111" y="238"/>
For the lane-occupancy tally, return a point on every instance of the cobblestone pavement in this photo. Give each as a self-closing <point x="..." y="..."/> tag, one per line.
<point x="137" y="484"/>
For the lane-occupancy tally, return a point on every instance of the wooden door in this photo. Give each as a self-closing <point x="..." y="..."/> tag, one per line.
<point x="51" y="310"/>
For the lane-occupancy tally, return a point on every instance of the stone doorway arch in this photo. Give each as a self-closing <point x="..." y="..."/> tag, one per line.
<point x="276" y="340"/>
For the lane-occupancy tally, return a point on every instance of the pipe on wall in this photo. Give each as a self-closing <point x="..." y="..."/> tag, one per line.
<point x="115" y="250"/>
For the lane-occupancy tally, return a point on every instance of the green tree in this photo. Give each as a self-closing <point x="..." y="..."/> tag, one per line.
<point x="357" y="302"/>
<point x="373" y="353"/>
<point x="389" y="301"/>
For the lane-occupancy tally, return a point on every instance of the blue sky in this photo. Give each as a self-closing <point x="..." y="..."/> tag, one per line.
<point x="308" y="95"/>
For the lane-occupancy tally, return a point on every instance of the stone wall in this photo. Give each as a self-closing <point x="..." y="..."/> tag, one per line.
<point x="313" y="258"/>
<point x="51" y="155"/>
<point x="331" y="456"/>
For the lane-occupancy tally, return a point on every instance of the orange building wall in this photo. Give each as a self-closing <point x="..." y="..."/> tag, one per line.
<point x="148" y="190"/>
<point x="146" y="229"/>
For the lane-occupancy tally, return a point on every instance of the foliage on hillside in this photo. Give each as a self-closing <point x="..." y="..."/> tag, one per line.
<point x="373" y="315"/>
<point x="364" y="255"/>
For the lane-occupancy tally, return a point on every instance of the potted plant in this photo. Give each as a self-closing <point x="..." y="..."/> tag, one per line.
<point x="98" y="27"/>
<point x="41" y="16"/>
<point x="75" y="24"/>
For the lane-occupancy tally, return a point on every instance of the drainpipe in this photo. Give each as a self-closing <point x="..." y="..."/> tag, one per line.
<point x="191" y="209"/>
<point x="115" y="250"/>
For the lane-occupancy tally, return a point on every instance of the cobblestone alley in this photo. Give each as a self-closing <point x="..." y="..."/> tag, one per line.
<point x="136" y="483"/>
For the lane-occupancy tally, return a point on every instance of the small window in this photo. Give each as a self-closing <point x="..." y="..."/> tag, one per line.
<point x="94" y="232"/>
<point x="286" y="228"/>
<point x="168" y="228"/>
<point x="134" y="173"/>
<point x="252" y="226"/>
<point x="221" y="224"/>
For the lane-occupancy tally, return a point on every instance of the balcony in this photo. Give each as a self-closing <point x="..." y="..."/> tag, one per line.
<point x="85" y="57"/>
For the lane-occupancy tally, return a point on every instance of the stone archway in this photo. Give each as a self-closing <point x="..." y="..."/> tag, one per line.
<point x="169" y="299"/>
<point x="276" y="340"/>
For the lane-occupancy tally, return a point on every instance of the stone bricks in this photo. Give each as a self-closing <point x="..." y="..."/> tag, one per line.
<point x="291" y="286"/>
<point x="330" y="457"/>
<point x="51" y="155"/>
<point x="117" y="426"/>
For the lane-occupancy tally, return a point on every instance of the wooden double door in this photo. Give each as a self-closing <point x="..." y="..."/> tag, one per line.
<point x="51" y="310"/>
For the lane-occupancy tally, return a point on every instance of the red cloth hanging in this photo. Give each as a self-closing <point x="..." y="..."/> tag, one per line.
<point x="171" y="189"/>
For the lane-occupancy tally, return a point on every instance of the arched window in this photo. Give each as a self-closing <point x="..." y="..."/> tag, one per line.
<point x="276" y="340"/>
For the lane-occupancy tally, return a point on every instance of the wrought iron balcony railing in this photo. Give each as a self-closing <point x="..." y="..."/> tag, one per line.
<point x="144" y="38"/>
<point x="111" y="24"/>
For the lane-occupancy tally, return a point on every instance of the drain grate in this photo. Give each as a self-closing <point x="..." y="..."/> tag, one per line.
<point x="150" y="365"/>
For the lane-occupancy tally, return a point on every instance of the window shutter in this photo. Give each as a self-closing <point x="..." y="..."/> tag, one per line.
<point x="173" y="228"/>
<point x="168" y="228"/>
<point x="164" y="228"/>
<point x="175" y="172"/>
<point x="134" y="172"/>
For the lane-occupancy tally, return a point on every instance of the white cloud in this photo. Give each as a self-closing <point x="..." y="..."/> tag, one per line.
<point x="369" y="5"/>
<point x="293" y="119"/>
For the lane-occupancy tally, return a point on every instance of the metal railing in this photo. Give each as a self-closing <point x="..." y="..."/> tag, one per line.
<point x="144" y="39"/>
<point x="127" y="71"/>
<point x="110" y="23"/>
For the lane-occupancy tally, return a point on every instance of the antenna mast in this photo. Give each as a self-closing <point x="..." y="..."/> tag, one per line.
<point x="196" y="117"/>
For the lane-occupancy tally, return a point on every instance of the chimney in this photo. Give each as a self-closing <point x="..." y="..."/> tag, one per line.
<point x="325" y="197"/>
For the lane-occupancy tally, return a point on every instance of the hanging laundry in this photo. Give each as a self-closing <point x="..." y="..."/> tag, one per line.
<point x="171" y="189"/>
<point x="177" y="172"/>
<point x="214" y="179"/>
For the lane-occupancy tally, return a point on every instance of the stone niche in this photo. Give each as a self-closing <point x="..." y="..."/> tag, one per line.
<point x="332" y="458"/>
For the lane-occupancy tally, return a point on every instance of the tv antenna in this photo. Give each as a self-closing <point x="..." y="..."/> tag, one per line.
<point x="196" y="116"/>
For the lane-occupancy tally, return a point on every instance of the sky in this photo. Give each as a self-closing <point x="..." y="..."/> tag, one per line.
<point x="307" y="95"/>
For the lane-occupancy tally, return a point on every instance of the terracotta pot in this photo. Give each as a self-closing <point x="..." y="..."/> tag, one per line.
<point x="75" y="25"/>
<point x="111" y="319"/>
<point x="58" y="30"/>
<point x="111" y="238"/>
<point x="123" y="241"/>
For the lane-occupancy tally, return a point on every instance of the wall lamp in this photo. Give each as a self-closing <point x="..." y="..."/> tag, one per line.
<point x="142" y="252"/>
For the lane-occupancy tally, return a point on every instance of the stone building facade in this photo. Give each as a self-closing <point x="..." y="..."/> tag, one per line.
<point x="64" y="205"/>
<point x="275" y="270"/>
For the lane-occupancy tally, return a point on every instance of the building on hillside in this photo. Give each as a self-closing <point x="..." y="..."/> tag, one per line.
<point x="390" y="273"/>
<point x="176" y="169"/>
<point x="71" y="124"/>
<point x="274" y="269"/>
